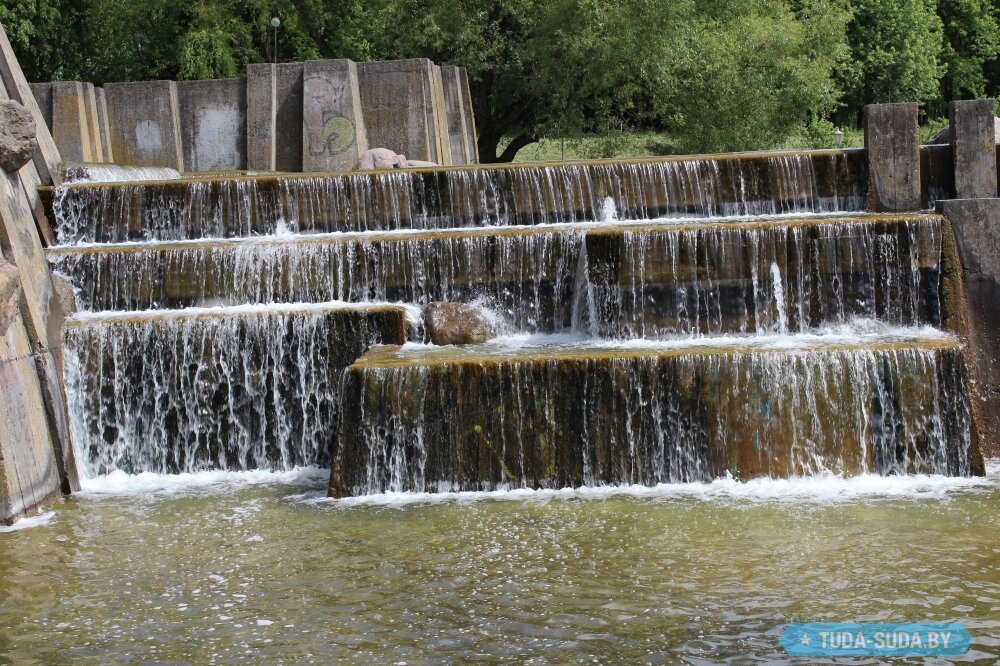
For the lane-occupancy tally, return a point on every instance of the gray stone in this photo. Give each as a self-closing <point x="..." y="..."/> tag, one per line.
<point x="456" y="324"/>
<point x="10" y="295"/>
<point x="333" y="129"/>
<point x="144" y="118"/>
<point x="213" y="124"/>
<point x="274" y="117"/>
<point x="974" y="148"/>
<point x="381" y="158"/>
<point x="420" y="164"/>
<point x="892" y="144"/>
<point x="65" y="295"/>
<point x="18" y="142"/>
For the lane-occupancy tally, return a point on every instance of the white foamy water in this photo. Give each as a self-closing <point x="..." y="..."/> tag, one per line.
<point x="146" y="484"/>
<point x="40" y="520"/>
<point x="821" y="489"/>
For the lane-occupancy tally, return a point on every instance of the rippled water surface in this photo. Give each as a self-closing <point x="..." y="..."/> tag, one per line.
<point x="261" y="568"/>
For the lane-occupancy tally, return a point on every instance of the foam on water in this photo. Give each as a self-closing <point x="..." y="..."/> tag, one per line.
<point x="819" y="489"/>
<point x="40" y="520"/>
<point x="147" y="484"/>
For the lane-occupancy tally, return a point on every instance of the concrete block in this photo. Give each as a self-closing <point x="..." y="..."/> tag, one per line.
<point x="437" y="111"/>
<point x="144" y="118"/>
<point x="43" y="96"/>
<point x="213" y="123"/>
<point x="973" y="140"/>
<point x="47" y="159"/>
<point x="333" y="128"/>
<point x="93" y="122"/>
<point x="470" y="116"/>
<point x="103" y="126"/>
<point x="976" y="223"/>
<point x="274" y="117"/>
<point x="401" y="107"/>
<point x="892" y="143"/>
<point x="454" y="100"/>
<point x="69" y="122"/>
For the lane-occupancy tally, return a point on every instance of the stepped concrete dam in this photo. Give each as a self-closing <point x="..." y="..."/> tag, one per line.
<point x="231" y="430"/>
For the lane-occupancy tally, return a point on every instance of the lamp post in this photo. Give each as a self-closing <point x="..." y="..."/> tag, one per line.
<point x="275" y="24"/>
<point x="838" y="137"/>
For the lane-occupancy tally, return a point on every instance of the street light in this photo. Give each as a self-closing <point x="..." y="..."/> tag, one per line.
<point x="275" y="23"/>
<point x="838" y="137"/>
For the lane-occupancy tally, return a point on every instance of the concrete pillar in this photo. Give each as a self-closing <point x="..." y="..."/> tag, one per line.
<point x="103" y="127"/>
<point x="470" y="116"/>
<point x="144" y="119"/>
<point x="43" y="95"/>
<point x="892" y="143"/>
<point x="458" y="135"/>
<point x="403" y="104"/>
<point x="213" y="124"/>
<point x="69" y="122"/>
<point x="333" y="128"/>
<point x="93" y="123"/>
<point x="973" y="140"/>
<point x="976" y="223"/>
<point x="274" y="117"/>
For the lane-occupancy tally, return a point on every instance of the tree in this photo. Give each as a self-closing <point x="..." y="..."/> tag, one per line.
<point x="971" y="43"/>
<point x="897" y="50"/>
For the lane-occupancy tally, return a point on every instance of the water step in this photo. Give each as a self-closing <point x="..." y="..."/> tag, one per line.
<point x="495" y="416"/>
<point x="612" y="280"/>
<point x="723" y="185"/>
<point x="217" y="388"/>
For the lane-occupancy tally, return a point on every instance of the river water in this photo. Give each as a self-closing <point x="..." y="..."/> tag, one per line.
<point x="259" y="567"/>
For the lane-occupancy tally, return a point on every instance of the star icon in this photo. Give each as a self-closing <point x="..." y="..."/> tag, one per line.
<point x="805" y="639"/>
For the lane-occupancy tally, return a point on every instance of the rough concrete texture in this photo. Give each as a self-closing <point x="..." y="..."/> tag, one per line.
<point x="213" y="124"/>
<point x="18" y="143"/>
<point x="93" y="122"/>
<point x="892" y="142"/>
<point x="10" y="295"/>
<point x="454" y="101"/>
<point x="400" y="107"/>
<point x="69" y="122"/>
<point x="145" y="123"/>
<point x="943" y="135"/>
<point x="65" y="295"/>
<point x="470" y="116"/>
<point x="974" y="145"/>
<point x="977" y="230"/>
<point x="437" y="117"/>
<point x="456" y="324"/>
<point x="274" y="117"/>
<point x="102" y="125"/>
<point x="43" y="96"/>
<point x="333" y="129"/>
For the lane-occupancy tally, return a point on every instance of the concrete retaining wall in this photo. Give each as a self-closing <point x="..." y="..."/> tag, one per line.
<point x="315" y="116"/>
<point x="36" y="458"/>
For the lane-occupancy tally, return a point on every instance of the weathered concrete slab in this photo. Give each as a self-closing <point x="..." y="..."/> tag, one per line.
<point x="458" y="135"/>
<point x="213" y="124"/>
<point x="69" y="122"/>
<point x="976" y="223"/>
<point x="43" y="96"/>
<point x="47" y="159"/>
<point x="103" y="126"/>
<point x="892" y="142"/>
<point x="437" y="112"/>
<point x="145" y="123"/>
<point x="274" y="117"/>
<point x="974" y="144"/>
<point x="92" y="122"/>
<point x="333" y="128"/>
<point x="470" y="116"/>
<point x="399" y="98"/>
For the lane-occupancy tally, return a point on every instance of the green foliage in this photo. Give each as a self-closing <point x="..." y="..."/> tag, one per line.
<point x="972" y="41"/>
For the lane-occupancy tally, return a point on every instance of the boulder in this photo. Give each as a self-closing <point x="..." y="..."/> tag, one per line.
<point x="381" y="158"/>
<point x="18" y="141"/>
<point x="456" y="324"/>
<point x="10" y="295"/>
<point x="944" y="134"/>
<point x="65" y="294"/>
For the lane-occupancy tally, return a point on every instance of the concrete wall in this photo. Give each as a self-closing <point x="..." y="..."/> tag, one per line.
<point x="213" y="124"/>
<point x="893" y="143"/>
<point x="36" y="458"/>
<point x="296" y="117"/>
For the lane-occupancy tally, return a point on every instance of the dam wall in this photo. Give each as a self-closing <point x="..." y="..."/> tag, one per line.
<point x="314" y="116"/>
<point x="36" y="458"/>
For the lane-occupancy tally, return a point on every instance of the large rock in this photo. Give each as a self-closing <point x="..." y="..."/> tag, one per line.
<point x="10" y="295"/>
<point x="381" y="158"/>
<point x="18" y="139"/>
<point x="456" y="324"/>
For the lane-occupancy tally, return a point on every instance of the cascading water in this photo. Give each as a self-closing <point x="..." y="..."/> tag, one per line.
<point x="721" y="318"/>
